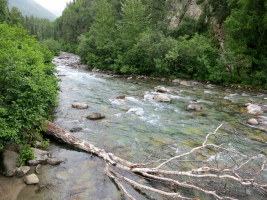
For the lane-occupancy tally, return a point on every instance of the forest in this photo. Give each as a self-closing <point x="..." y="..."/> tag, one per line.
<point x="225" y="43"/>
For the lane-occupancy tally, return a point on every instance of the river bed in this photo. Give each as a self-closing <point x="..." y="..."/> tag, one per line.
<point x="137" y="128"/>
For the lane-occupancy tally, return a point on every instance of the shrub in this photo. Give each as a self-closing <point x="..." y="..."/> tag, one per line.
<point x="28" y="87"/>
<point x="53" y="46"/>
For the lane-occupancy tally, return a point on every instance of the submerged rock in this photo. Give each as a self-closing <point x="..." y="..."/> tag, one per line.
<point x="194" y="107"/>
<point x="31" y="179"/>
<point x="80" y="105"/>
<point x="252" y="121"/>
<point x="76" y="129"/>
<point x="162" y="98"/>
<point x="54" y="162"/>
<point x="120" y="97"/>
<point x="95" y="116"/>
<point x="21" y="171"/>
<point x="254" y="109"/>
<point x="10" y="162"/>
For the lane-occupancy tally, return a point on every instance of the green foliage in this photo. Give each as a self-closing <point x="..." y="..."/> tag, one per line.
<point x="15" y="16"/>
<point x="135" y="37"/>
<point x="3" y="11"/>
<point x="192" y="58"/>
<point x="246" y="43"/>
<point x="53" y="46"/>
<point x="25" y="153"/>
<point x="28" y="88"/>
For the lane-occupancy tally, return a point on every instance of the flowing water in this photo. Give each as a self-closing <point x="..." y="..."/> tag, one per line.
<point x="137" y="128"/>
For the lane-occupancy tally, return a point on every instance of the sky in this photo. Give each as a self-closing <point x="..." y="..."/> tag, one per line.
<point x="55" y="6"/>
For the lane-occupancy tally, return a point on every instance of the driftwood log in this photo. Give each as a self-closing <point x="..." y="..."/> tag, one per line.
<point x="156" y="170"/>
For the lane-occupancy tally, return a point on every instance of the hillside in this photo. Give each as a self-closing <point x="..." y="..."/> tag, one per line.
<point x="30" y="7"/>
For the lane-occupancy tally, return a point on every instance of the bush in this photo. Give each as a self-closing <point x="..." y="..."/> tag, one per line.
<point x="53" y="45"/>
<point x="192" y="58"/>
<point x="28" y="87"/>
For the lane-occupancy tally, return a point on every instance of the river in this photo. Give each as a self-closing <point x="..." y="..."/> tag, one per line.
<point x="137" y="128"/>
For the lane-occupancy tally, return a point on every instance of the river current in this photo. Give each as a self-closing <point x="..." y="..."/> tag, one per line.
<point x="137" y="128"/>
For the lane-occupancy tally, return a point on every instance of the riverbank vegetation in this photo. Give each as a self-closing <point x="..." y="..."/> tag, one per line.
<point x="220" y="41"/>
<point x="28" y="87"/>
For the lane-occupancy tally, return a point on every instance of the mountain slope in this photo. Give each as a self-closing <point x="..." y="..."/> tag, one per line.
<point x="30" y="7"/>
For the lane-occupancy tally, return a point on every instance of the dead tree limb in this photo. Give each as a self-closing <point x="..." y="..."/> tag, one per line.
<point x="207" y="171"/>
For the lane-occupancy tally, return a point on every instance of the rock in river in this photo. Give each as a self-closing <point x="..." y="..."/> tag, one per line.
<point x="76" y="129"/>
<point x="80" y="105"/>
<point x="31" y="179"/>
<point x="253" y="121"/>
<point x="120" y="97"/>
<point x="254" y="109"/>
<point x="10" y="162"/>
<point x="162" y="98"/>
<point x="54" y="162"/>
<point x="161" y="89"/>
<point x="95" y="116"/>
<point x="194" y="107"/>
<point x="40" y="156"/>
<point x="21" y="171"/>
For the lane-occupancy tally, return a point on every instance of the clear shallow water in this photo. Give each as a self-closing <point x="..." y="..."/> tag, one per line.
<point x="136" y="128"/>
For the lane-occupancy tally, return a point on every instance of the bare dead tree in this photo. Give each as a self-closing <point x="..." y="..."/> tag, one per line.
<point x="165" y="171"/>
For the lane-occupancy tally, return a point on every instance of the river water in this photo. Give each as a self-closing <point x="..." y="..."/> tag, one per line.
<point x="138" y="129"/>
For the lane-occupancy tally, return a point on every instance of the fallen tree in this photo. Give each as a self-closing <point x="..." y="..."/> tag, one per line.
<point x="208" y="170"/>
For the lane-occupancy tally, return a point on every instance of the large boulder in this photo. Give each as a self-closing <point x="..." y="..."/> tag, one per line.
<point x="31" y="179"/>
<point x="194" y="107"/>
<point x="10" y="162"/>
<point x="80" y="105"/>
<point x="162" y="98"/>
<point x="95" y="116"/>
<point x="254" y="109"/>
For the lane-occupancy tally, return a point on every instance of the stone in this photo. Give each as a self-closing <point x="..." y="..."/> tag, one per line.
<point x="176" y="81"/>
<point x="76" y="129"/>
<point x="185" y="83"/>
<point x="54" y="162"/>
<point x="38" y="144"/>
<point x="80" y="105"/>
<point x="130" y="78"/>
<point x="162" y="98"/>
<point x="161" y="89"/>
<point x="95" y="70"/>
<point x="253" y="121"/>
<point x="38" y="168"/>
<point x="254" y="109"/>
<point x="40" y="156"/>
<point x="120" y="97"/>
<point x="95" y="116"/>
<point x="10" y="162"/>
<point x="31" y="179"/>
<point x="194" y="107"/>
<point x="264" y="108"/>
<point x="21" y="171"/>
